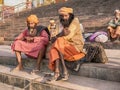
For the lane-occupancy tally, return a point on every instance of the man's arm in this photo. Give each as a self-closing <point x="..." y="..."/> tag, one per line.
<point x="42" y="37"/>
<point x="21" y="36"/>
<point x="53" y="39"/>
<point x="111" y="23"/>
<point x="72" y="29"/>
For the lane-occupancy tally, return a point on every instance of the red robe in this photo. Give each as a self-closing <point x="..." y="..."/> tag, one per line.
<point x="31" y="49"/>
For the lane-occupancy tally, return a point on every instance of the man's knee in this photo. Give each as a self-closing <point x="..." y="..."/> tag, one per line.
<point x="118" y="28"/>
<point x="109" y="28"/>
<point x="41" y="53"/>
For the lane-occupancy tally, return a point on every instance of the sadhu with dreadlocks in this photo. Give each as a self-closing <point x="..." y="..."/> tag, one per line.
<point x="67" y="47"/>
<point x="32" y="41"/>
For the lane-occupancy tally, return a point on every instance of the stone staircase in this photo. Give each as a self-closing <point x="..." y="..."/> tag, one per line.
<point x="8" y="87"/>
<point x="92" y="18"/>
<point x="92" y="76"/>
<point x="81" y="7"/>
<point x="14" y="26"/>
<point x="10" y="29"/>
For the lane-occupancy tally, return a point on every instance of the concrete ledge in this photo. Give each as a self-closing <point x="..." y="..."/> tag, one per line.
<point x="23" y="79"/>
<point x="4" y="86"/>
<point x="100" y="71"/>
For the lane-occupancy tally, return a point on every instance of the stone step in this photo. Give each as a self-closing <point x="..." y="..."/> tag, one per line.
<point x="109" y="71"/>
<point x="90" y="25"/>
<point x="108" y="45"/>
<point x="26" y="81"/>
<point x="6" y="42"/>
<point x="4" y="86"/>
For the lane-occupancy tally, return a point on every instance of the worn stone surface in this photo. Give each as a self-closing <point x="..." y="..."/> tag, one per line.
<point x="103" y="73"/>
<point x="23" y="79"/>
<point x="109" y="71"/>
<point x="1" y="39"/>
<point x="4" y="86"/>
<point x="13" y="80"/>
<point x="40" y="86"/>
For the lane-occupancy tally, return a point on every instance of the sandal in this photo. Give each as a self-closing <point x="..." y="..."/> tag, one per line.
<point x="56" y="77"/>
<point x="66" y="76"/>
<point x="35" y="71"/>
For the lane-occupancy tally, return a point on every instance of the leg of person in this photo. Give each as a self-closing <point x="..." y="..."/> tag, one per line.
<point x="19" y="60"/>
<point x="65" y="71"/>
<point x="54" y="64"/>
<point x="57" y="71"/>
<point x="39" y="60"/>
<point x="56" y="76"/>
<point x="112" y="34"/>
<point x="118" y="33"/>
<point x="108" y="31"/>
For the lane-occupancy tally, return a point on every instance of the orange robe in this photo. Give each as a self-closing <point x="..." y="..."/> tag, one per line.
<point x="71" y="45"/>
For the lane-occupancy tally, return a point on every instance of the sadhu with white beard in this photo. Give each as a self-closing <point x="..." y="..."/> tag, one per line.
<point x="69" y="46"/>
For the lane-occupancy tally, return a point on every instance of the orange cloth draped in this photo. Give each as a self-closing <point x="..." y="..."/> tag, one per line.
<point x="114" y="32"/>
<point x="118" y="30"/>
<point x="69" y="52"/>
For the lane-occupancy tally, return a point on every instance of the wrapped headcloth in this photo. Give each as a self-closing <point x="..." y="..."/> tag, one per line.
<point x="52" y="21"/>
<point x="32" y="18"/>
<point x="116" y="11"/>
<point x="65" y="10"/>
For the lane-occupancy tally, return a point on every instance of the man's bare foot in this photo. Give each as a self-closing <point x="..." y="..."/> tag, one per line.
<point x="66" y="76"/>
<point x="17" y="68"/>
<point x="56" y="77"/>
<point x="35" y="71"/>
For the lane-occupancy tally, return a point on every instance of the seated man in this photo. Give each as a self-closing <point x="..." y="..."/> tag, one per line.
<point x="114" y="27"/>
<point x="67" y="47"/>
<point x="31" y="41"/>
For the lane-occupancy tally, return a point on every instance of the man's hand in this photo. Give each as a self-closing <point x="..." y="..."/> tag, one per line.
<point x="66" y="31"/>
<point x="53" y="39"/>
<point x="29" y="39"/>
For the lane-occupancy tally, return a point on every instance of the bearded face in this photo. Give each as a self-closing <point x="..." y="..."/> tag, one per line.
<point x="66" y="20"/>
<point x="31" y="25"/>
<point x="32" y="28"/>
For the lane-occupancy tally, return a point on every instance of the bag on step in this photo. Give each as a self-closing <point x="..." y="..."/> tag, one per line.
<point x="96" y="53"/>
